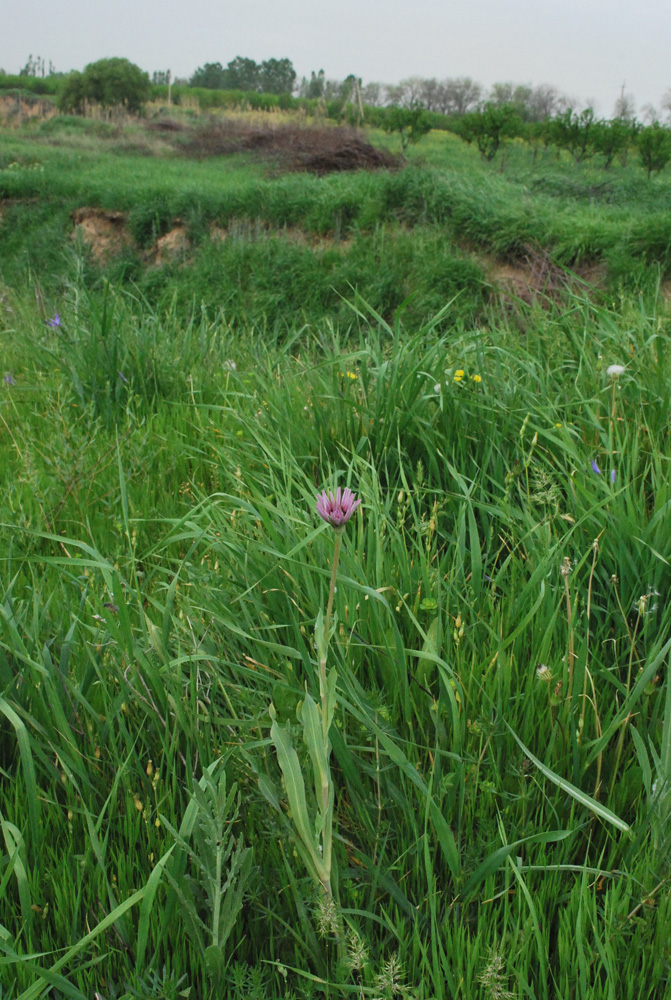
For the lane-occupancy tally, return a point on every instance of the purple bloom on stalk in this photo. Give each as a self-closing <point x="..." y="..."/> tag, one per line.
<point x="612" y="476"/>
<point x="337" y="510"/>
<point x="54" y="322"/>
<point x="595" y="467"/>
<point x="8" y="379"/>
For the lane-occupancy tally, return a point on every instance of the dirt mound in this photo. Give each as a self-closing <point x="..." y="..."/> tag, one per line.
<point x="320" y="149"/>
<point x="173" y="244"/>
<point x="104" y="232"/>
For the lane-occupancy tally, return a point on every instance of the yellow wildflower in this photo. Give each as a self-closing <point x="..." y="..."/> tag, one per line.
<point x="476" y="378"/>
<point x="458" y="375"/>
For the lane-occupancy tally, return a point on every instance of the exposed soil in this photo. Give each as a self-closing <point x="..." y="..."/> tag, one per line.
<point x="173" y="244"/>
<point x="104" y="232"/>
<point x="31" y="107"/>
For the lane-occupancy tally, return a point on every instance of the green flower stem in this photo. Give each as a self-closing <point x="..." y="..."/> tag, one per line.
<point x="327" y="807"/>
<point x="334" y="571"/>
<point x="327" y="629"/>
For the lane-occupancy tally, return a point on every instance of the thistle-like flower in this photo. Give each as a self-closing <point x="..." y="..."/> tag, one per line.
<point x="337" y="510"/>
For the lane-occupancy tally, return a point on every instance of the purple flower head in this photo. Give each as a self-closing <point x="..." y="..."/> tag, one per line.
<point x="595" y="467"/>
<point x="612" y="476"/>
<point x="337" y="510"/>
<point x="8" y="379"/>
<point x="54" y="321"/>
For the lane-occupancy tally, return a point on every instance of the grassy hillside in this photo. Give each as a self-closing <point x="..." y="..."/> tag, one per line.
<point x="491" y="800"/>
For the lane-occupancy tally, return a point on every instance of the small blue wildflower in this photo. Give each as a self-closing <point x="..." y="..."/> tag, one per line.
<point x="595" y="467"/>
<point x="9" y="379"/>
<point x="54" y="321"/>
<point x="612" y="476"/>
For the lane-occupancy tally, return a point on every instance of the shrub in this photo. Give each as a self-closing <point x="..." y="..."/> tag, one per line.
<point x="109" y="83"/>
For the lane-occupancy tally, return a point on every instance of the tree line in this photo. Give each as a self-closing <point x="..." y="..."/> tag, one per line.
<point x="272" y="76"/>
<point x="452" y="96"/>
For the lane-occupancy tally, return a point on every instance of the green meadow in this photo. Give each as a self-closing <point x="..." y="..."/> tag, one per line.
<point x="462" y="787"/>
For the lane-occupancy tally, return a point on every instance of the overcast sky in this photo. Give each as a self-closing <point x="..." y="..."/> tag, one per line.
<point x="586" y="48"/>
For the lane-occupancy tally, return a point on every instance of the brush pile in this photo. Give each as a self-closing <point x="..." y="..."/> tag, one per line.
<point x="320" y="149"/>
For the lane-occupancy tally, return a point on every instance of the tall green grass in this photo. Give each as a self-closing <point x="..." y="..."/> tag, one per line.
<point x="503" y="731"/>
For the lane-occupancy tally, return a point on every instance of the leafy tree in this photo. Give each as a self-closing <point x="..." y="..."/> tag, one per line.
<point x="612" y="138"/>
<point x="211" y="76"/>
<point x="575" y="133"/>
<point x="242" y="74"/>
<point x="110" y="83"/>
<point x="654" y="147"/>
<point x="71" y="95"/>
<point x="410" y="123"/>
<point x="489" y="127"/>
<point x="277" y="76"/>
